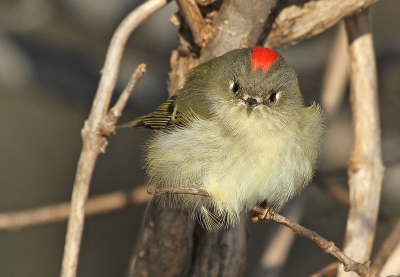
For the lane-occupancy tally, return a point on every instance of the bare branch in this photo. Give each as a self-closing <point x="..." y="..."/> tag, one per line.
<point x="93" y="142"/>
<point x="298" y="22"/>
<point x="328" y="246"/>
<point x="59" y="212"/>
<point x="107" y="127"/>
<point x="365" y="164"/>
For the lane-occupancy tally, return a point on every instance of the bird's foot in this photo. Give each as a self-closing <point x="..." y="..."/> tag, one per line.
<point x="266" y="215"/>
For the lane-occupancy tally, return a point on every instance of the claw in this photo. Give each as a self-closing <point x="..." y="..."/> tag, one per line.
<point x="266" y="215"/>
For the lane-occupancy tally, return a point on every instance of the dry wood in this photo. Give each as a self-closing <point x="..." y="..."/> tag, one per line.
<point x="239" y="24"/>
<point x="296" y="21"/>
<point x="328" y="246"/>
<point x="200" y="31"/>
<point x="365" y="164"/>
<point x="94" y="142"/>
<point x="60" y="212"/>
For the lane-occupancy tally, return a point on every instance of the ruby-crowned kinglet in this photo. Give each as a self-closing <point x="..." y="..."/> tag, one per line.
<point x="238" y="129"/>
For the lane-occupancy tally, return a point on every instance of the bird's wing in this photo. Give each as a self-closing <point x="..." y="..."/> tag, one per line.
<point x="165" y="116"/>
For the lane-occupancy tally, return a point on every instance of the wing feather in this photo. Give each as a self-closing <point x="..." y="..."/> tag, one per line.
<point x="165" y="116"/>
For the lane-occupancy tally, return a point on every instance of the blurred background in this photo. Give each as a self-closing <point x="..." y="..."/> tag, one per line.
<point x="51" y="53"/>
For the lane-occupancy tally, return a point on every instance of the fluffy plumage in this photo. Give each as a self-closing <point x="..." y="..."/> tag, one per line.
<point x="239" y="129"/>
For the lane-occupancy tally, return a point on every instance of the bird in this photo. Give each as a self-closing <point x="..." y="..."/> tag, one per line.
<point x="238" y="129"/>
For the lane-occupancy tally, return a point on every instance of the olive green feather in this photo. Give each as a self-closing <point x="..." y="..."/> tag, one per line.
<point x="165" y="116"/>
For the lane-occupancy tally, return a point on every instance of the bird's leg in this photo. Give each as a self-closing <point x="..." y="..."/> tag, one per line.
<point x="266" y="215"/>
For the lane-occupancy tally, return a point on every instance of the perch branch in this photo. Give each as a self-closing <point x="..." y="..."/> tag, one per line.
<point x="295" y="23"/>
<point x="328" y="246"/>
<point x="93" y="141"/>
<point x="59" y="212"/>
<point x="365" y="164"/>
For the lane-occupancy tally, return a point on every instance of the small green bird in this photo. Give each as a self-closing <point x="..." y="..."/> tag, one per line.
<point x="238" y="129"/>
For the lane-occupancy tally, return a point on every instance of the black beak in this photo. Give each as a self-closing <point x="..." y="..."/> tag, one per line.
<point x="251" y="102"/>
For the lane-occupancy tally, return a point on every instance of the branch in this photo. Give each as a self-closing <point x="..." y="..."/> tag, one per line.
<point x="93" y="141"/>
<point x="295" y="23"/>
<point x="328" y="246"/>
<point x="59" y="212"/>
<point x="200" y="31"/>
<point x="365" y="164"/>
<point x="237" y="27"/>
<point x="107" y="126"/>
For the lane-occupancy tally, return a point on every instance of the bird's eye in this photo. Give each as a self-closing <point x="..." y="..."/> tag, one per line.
<point x="274" y="96"/>
<point x="234" y="86"/>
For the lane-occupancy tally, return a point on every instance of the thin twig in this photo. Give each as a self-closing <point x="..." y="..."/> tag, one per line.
<point x="59" y="212"/>
<point x="365" y="164"/>
<point x="328" y="246"/>
<point x="93" y="142"/>
<point x="107" y="127"/>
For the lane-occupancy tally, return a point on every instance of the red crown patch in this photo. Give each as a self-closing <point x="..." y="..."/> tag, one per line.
<point x="262" y="58"/>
